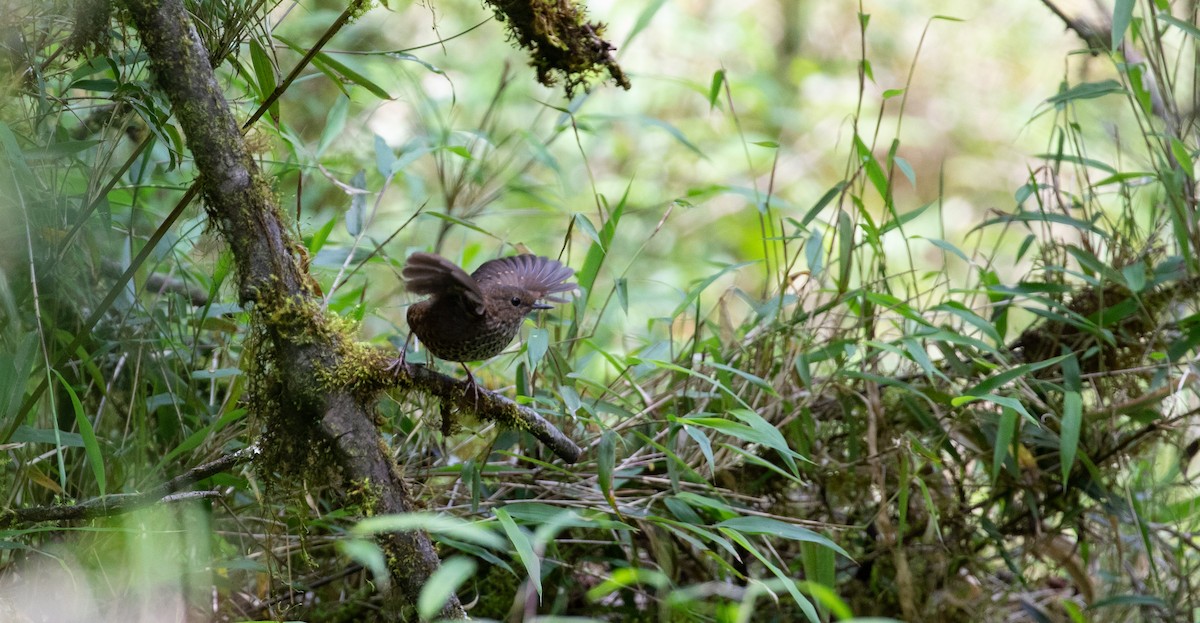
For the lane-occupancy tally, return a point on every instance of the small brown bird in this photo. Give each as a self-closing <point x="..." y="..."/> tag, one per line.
<point x="474" y="317"/>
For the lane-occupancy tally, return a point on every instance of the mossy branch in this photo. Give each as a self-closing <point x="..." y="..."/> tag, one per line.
<point x="292" y="355"/>
<point x="489" y="405"/>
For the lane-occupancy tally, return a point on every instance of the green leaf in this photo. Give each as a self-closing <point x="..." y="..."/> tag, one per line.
<point x="1093" y="265"/>
<point x="606" y="459"/>
<point x="904" y="219"/>
<point x="338" y="71"/>
<point x="385" y="158"/>
<point x="335" y="122"/>
<point x="788" y="582"/>
<point x="1183" y="157"/>
<point x="946" y="246"/>
<point x="714" y="90"/>
<point x="598" y="251"/>
<point x="756" y="430"/>
<point x="1002" y="378"/>
<point x="783" y="530"/>
<point x="814" y="253"/>
<point x="622" y="577"/>
<point x="917" y="353"/>
<point x="670" y="129"/>
<point x="1004" y="436"/>
<point x="1135" y="276"/>
<point x="646" y="120"/>
<point x="213" y="375"/>
<point x="367" y="554"/>
<point x="1003" y="401"/>
<point x="1186" y="27"/>
<point x="411" y="58"/>
<point x="751" y="458"/>
<point x="60" y="149"/>
<point x="14" y="367"/>
<point x="523" y="547"/>
<point x="103" y="85"/>
<point x="1122" y="15"/>
<point x="820" y="567"/>
<point x="643" y="20"/>
<point x="585" y="225"/>
<point x="321" y="235"/>
<point x="27" y="434"/>
<point x="1087" y="90"/>
<point x="537" y="513"/>
<point x="194" y="440"/>
<point x="264" y="75"/>
<point x="264" y="69"/>
<point x="90" y="444"/>
<point x="1096" y="164"/>
<point x="442" y="584"/>
<point x="893" y="303"/>
<point x="356" y="216"/>
<point x="14" y="155"/>
<point x="703" y="501"/>
<point x="702" y="440"/>
<point x="845" y="248"/>
<point x="432" y="523"/>
<point x="821" y="203"/>
<point x="1045" y="217"/>
<point x="872" y="167"/>
<point x="536" y="345"/>
<point x="970" y="317"/>
<point x="907" y="170"/>
<point x="754" y="380"/>
<point x="1071" y="423"/>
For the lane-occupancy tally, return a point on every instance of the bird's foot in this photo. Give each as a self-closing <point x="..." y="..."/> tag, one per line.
<point x="472" y="384"/>
<point x="399" y="363"/>
<point x="395" y="366"/>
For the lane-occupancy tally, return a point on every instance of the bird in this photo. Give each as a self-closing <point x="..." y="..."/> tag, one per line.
<point x="475" y="317"/>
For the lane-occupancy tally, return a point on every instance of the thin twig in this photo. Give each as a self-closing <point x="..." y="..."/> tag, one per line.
<point x="120" y="503"/>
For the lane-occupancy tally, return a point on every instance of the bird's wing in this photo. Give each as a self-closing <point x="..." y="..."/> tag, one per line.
<point x="426" y="273"/>
<point x="540" y="275"/>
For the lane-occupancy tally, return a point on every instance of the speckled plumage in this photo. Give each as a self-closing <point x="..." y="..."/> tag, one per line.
<point x="474" y="317"/>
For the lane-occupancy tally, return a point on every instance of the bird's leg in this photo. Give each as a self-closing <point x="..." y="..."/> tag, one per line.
<point x="398" y="363"/>
<point x="471" y="382"/>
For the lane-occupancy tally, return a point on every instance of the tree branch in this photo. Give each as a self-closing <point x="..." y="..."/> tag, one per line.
<point x="303" y="345"/>
<point x="117" y="504"/>
<point x="490" y="406"/>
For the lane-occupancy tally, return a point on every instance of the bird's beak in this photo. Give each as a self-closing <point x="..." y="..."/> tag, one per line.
<point x="542" y="306"/>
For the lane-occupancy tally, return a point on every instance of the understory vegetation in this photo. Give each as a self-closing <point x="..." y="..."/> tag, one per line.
<point x="815" y="373"/>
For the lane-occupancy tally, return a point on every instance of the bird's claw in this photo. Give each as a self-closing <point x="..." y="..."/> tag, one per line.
<point x="395" y="366"/>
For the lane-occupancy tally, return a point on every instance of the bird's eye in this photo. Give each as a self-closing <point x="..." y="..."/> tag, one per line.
<point x="516" y="301"/>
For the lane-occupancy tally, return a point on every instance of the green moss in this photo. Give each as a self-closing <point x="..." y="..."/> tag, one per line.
<point x="360" y="369"/>
<point x="293" y="446"/>
<point x="509" y="417"/>
<point x="364" y="495"/>
<point x="561" y="43"/>
<point x="90" y="34"/>
<point x="360" y="8"/>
